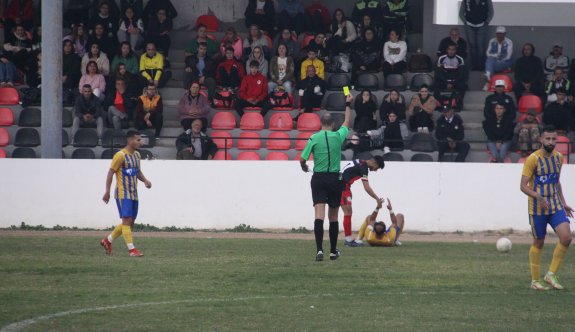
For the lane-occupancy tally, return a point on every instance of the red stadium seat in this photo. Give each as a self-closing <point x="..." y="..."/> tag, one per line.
<point x="281" y="121"/>
<point x="274" y="155"/>
<point x="249" y="140"/>
<point x="223" y="139"/>
<point x="252" y="109"/>
<point x="210" y="21"/>
<point x="2" y="153"/>
<point x="252" y="121"/>
<point x="224" y="121"/>
<point x="308" y="122"/>
<point x="530" y="101"/>
<point x="306" y="40"/>
<point x="506" y="78"/>
<point x="302" y="140"/>
<point x="298" y="156"/>
<point x="563" y="145"/>
<point x="4" y="137"/>
<point x="249" y="155"/>
<point x="279" y="141"/>
<point x="9" y="96"/>
<point x="221" y="155"/>
<point x="6" y="117"/>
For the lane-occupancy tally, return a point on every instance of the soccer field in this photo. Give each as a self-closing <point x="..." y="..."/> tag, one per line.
<point x="68" y="284"/>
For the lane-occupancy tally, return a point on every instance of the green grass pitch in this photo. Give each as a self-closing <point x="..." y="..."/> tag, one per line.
<point x="266" y="285"/>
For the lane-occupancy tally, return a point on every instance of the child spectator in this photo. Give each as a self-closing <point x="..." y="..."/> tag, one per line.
<point x="149" y="110"/>
<point x="312" y="60"/>
<point x="499" y="131"/>
<point x="131" y="29"/>
<point x="193" y="105"/>
<point x="99" y="57"/>
<point x="230" y="72"/>
<point x="281" y="71"/>
<point x="231" y="39"/>
<point x="499" y="97"/>
<point x="253" y="91"/>
<point x="94" y="79"/>
<point x="394" y="55"/>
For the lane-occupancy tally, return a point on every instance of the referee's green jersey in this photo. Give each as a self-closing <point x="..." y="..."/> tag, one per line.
<point x="326" y="149"/>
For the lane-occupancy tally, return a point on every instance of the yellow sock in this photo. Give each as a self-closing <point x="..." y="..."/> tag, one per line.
<point x="361" y="234"/>
<point x="116" y="232"/>
<point x="535" y="262"/>
<point x="558" y="255"/>
<point x="127" y="233"/>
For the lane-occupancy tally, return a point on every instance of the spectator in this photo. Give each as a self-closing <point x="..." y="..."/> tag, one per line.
<point x="127" y="57"/>
<point x="476" y="16"/>
<point x="395" y="16"/>
<point x="499" y="97"/>
<point x="281" y="71"/>
<point x="99" y="57"/>
<point x="18" y="12"/>
<point x="311" y="91"/>
<point x="254" y="39"/>
<point x="18" y="48"/>
<point x="454" y="38"/>
<point x="499" y="131"/>
<point x="319" y="45"/>
<point x="527" y="132"/>
<point x="528" y="74"/>
<point x="291" y="16"/>
<point x="393" y="102"/>
<point x="193" y="144"/>
<point x="394" y="54"/>
<point x="109" y="20"/>
<point x="136" y="5"/>
<point x="79" y="39"/>
<point x="371" y="8"/>
<point x="230" y="72"/>
<point x="450" y="73"/>
<point x="149" y="110"/>
<point x="154" y="6"/>
<point x="202" y="69"/>
<point x="71" y="64"/>
<point x="193" y="105"/>
<point x="8" y="72"/>
<point x="257" y="55"/>
<point x="559" y="112"/>
<point x="390" y="135"/>
<point x="318" y="17"/>
<point x="558" y="81"/>
<point x="343" y="33"/>
<point x="253" y="91"/>
<point x="420" y="111"/>
<point x="158" y="31"/>
<point x="554" y="60"/>
<point x="202" y="37"/>
<point x="499" y="53"/>
<point x="312" y="60"/>
<point x="132" y="83"/>
<point x="286" y="39"/>
<point x="113" y="9"/>
<point x="231" y="39"/>
<point x="261" y="13"/>
<point x="131" y="29"/>
<point x="367" y="22"/>
<point x="105" y="43"/>
<point x="120" y="104"/>
<point x="152" y="67"/>
<point x="94" y="79"/>
<point x="366" y="55"/>
<point x="365" y="112"/>
<point x="88" y="112"/>
<point x="450" y="133"/>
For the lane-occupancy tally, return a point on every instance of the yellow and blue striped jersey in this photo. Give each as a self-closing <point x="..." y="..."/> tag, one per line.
<point x="543" y="173"/>
<point x="127" y="166"/>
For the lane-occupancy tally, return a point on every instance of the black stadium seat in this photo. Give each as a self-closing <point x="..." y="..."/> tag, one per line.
<point x="117" y="137"/>
<point x="27" y="137"/>
<point x="65" y="138"/>
<point x="83" y="154"/>
<point x="108" y="153"/>
<point x="67" y="118"/>
<point x="30" y="117"/>
<point x="335" y="102"/>
<point x="419" y="80"/>
<point x="26" y="153"/>
<point x="368" y="81"/>
<point x="395" y="81"/>
<point x="336" y="82"/>
<point x="393" y="156"/>
<point x="86" y="138"/>
<point x="422" y="157"/>
<point x="422" y="142"/>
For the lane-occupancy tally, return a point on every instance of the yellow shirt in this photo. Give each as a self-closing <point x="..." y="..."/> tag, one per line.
<point x="154" y="64"/>
<point x="319" y="68"/>
<point x="386" y="240"/>
<point x="127" y="166"/>
<point x="543" y="173"/>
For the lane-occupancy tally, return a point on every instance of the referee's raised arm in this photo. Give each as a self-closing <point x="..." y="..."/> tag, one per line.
<point x="347" y="118"/>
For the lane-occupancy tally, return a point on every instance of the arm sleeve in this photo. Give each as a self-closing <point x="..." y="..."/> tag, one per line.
<point x="160" y="69"/>
<point x="307" y="150"/>
<point x="343" y="131"/>
<point x="530" y="166"/>
<point x="117" y="161"/>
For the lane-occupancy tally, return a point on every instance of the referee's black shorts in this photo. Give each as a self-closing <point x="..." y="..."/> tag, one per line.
<point x="326" y="188"/>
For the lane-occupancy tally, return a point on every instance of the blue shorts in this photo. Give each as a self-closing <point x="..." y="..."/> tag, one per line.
<point x="128" y="208"/>
<point x="539" y="223"/>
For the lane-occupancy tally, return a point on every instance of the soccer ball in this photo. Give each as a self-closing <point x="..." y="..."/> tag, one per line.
<point x="503" y="244"/>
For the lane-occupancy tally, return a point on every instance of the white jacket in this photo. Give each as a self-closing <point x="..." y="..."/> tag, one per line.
<point x="394" y="52"/>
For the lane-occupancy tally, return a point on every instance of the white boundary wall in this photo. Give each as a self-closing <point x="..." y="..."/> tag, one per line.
<point x="434" y="196"/>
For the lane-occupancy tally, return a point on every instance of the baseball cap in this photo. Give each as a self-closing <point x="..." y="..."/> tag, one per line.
<point x="500" y="83"/>
<point x="379" y="161"/>
<point x="500" y="29"/>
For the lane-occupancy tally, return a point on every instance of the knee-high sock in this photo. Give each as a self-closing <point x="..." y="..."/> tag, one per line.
<point x="318" y="231"/>
<point x="115" y="233"/>
<point x="333" y="232"/>
<point x="535" y="262"/>
<point x="127" y="233"/>
<point x="347" y="227"/>
<point x="558" y="255"/>
<point x="362" y="230"/>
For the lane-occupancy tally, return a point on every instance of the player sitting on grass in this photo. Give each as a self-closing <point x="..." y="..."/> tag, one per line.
<point x="376" y="234"/>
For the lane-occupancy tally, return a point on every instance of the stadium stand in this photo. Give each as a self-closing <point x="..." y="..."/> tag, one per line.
<point x="6" y="117"/>
<point x="281" y="121"/>
<point x="249" y="140"/>
<point x="224" y="121"/>
<point x="252" y="121"/>
<point x="30" y="117"/>
<point x="24" y="153"/>
<point x="278" y="140"/>
<point x="83" y="153"/>
<point x="249" y="155"/>
<point x="395" y="82"/>
<point x="368" y="81"/>
<point x="9" y="96"/>
<point x="86" y="138"/>
<point x="274" y="155"/>
<point x="27" y="137"/>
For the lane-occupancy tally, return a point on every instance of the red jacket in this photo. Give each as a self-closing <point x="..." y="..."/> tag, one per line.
<point x="254" y="86"/>
<point x="227" y="65"/>
<point x="25" y="12"/>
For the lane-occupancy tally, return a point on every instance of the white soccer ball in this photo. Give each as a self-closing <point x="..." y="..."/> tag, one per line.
<point x="503" y="244"/>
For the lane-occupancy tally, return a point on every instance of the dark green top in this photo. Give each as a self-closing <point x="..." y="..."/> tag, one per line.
<point x="326" y="149"/>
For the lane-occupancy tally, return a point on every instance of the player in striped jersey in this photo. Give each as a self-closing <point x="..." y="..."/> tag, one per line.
<point x="126" y="167"/>
<point x="541" y="182"/>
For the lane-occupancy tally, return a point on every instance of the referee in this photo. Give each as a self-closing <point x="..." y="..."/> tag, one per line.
<point x="326" y="186"/>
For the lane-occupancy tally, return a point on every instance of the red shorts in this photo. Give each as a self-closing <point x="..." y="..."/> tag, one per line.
<point x="346" y="196"/>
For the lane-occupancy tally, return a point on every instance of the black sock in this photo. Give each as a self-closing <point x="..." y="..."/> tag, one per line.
<point x="318" y="231"/>
<point x="333" y="232"/>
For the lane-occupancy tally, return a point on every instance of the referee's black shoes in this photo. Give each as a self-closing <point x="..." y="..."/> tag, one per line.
<point x="319" y="256"/>
<point x="334" y="256"/>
